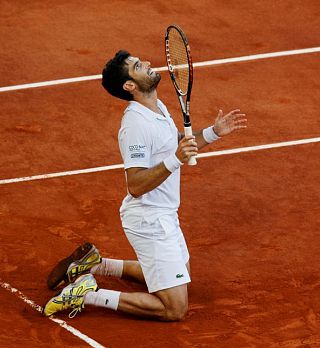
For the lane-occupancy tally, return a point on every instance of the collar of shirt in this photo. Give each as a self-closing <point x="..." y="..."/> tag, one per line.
<point x="147" y="113"/>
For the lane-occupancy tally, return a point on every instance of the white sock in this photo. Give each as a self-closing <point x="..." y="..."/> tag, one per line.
<point x="103" y="298"/>
<point x="108" y="267"/>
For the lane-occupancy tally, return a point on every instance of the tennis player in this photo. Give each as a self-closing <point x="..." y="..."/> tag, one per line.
<point x="153" y="153"/>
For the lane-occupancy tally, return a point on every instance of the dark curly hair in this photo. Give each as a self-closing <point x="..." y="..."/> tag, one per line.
<point x="115" y="74"/>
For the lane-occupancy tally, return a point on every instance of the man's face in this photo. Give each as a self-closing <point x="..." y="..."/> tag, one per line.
<point x="145" y="78"/>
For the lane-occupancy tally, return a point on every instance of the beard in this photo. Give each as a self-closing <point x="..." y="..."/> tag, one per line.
<point x="149" y="84"/>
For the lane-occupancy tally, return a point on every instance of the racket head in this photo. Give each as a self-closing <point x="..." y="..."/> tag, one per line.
<point x="179" y="60"/>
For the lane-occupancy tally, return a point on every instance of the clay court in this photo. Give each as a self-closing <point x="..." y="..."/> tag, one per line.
<point x="251" y="218"/>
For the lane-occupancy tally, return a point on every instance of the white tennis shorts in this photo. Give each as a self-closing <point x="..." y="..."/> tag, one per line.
<point x="160" y="248"/>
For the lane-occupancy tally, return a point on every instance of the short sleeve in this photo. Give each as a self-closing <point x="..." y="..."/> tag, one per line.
<point x="135" y="145"/>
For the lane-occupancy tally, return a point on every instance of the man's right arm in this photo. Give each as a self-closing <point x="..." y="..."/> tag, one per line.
<point x="143" y="180"/>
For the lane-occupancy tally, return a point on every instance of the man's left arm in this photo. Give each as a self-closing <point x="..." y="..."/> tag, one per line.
<point x="224" y="125"/>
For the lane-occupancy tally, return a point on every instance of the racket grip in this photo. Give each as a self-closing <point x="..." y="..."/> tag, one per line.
<point x="187" y="132"/>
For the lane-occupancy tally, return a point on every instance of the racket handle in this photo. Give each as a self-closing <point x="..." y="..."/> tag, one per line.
<point x="192" y="160"/>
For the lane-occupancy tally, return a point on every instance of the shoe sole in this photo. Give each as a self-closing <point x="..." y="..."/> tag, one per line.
<point x="58" y="275"/>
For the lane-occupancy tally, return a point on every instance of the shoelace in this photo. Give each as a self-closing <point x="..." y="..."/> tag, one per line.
<point x="74" y="312"/>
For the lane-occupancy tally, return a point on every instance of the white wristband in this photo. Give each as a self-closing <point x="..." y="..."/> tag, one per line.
<point x="209" y="135"/>
<point x="172" y="163"/>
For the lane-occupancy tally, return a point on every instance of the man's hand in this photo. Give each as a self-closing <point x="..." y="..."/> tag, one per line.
<point x="226" y="124"/>
<point x="187" y="148"/>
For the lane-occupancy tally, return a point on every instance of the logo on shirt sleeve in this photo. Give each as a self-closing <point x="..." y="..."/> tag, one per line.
<point x="137" y="148"/>
<point x="138" y="151"/>
<point x="137" y="155"/>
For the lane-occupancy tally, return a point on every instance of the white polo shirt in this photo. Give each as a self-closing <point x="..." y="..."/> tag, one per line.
<point x="145" y="139"/>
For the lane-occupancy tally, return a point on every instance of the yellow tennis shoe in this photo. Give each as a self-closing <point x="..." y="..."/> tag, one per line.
<point x="71" y="267"/>
<point x="72" y="296"/>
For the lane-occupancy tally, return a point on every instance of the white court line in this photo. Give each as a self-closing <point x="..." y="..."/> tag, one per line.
<point x="202" y="155"/>
<point x="258" y="147"/>
<point x="199" y="64"/>
<point x="62" y="323"/>
<point x="56" y="175"/>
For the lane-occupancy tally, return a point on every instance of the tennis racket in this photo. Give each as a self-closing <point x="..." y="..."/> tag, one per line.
<point x="181" y="72"/>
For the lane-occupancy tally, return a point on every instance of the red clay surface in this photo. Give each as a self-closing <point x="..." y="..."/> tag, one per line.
<point x="251" y="220"/>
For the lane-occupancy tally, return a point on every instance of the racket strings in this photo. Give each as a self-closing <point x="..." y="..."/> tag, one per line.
<point x="179" y="60"/>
